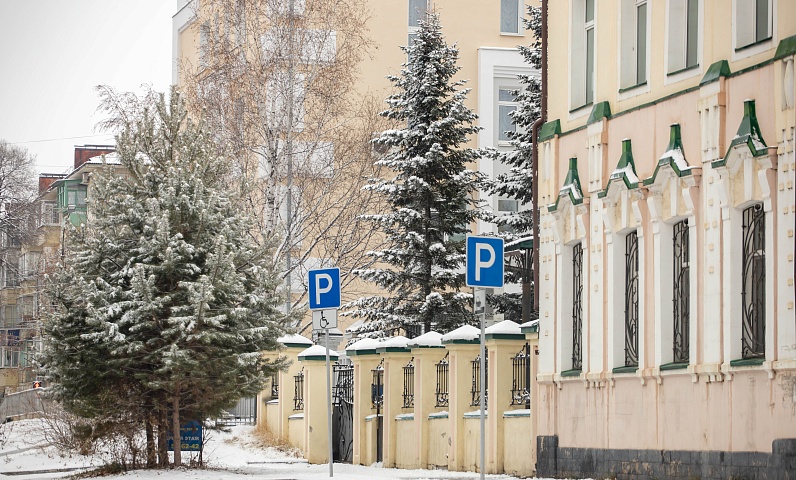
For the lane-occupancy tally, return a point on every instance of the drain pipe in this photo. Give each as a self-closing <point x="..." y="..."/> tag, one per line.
<point x="535" y="161"/>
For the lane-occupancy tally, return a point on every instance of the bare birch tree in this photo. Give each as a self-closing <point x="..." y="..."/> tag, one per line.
<point x="276" y="81"/>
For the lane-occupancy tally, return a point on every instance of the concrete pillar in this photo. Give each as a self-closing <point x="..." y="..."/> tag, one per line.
<point x="264" y="397"/>
<point x="503" y="341"/>
<point x="427" y="351"/>
<point x="396" y="355"/>
<point x="463" y="345"/>
<point x="316" y="403"/>
<point x="293" y="345"/>
<point x="365" y="358"/>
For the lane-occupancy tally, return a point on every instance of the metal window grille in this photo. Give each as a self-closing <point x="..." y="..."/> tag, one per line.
<point x="475" y="391"/>
<point x="377" y="386"/>
<point x="753" y="286"/>
<point x="631" y="299"/>
<point x="577" y="306"/>
<point x="298" y="390"/>
<point x="275" y="386"/>
<point x="409" y="384"/>
<point x="442" y="382"/>
<point x="681" y="292"/>
<point x="343" y="390"/>
<point x="521" y="377"/>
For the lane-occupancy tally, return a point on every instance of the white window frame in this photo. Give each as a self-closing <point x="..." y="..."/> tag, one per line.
<point x="513" y="104"/>
<point x="629" y="44"/>
<point x="744" y="36"/>
<point x="416" y="5"/>
<point x="517" y="24"/>
<point x="579" y="87"/>
<point x="677" y="41"/>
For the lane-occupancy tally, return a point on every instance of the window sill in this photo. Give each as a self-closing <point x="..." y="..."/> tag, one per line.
<point x="571" y="373"/>
<point x="582" y="108"/>
<point x="631" y="369"/>
<point x="674" y="366"/>
<point x="511" y="34"/>
<point x="632" y="87"/>
<point x="747" y="362"/>
<point x="753" y="44"/>
<point x="682" y="70"/>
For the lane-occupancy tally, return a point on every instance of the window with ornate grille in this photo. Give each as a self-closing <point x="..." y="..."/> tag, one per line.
<point x="521" y="377"/>
<point x="409" y="385"/>
<point x="577" y="306"/>
<point x="442" y="382"/>
<point x="298" y="390"/>
<point x="475" y="390"/>
<point x="681" y="290"/>
<point x="753" y="287"/>
<point x="631" y="299"/>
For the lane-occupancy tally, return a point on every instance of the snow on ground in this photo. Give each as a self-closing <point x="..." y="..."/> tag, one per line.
<point x="235" y="455"/>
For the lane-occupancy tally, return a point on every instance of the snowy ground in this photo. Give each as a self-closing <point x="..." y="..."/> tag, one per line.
<point x="24" y="455"/>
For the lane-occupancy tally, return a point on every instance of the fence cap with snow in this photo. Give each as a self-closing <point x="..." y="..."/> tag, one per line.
<point x="427" y="340"/>
<point x="463" y="334"/>
<point x="365" y="346"/>
<point x="530" y="327"/>
<point x="505" y="330"/>
<point x="394" y="344"/>
<point x="295" y="340"/>
<point x="317" y="352"/>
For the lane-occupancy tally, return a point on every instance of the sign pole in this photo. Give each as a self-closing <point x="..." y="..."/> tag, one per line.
<point x="329" y="405"/>
<point x="482" y="392"/>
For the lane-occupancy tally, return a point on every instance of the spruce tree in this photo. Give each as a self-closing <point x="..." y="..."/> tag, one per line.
<point x="164" y="301"/>
<point x="430" y="196"/>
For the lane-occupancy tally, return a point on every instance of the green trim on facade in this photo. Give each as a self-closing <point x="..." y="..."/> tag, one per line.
<point x="516" y="414"/>
<point x="405" y="417"/>
<point x="549" y="130"/>
<point x="633" y="369"/>
<point x="426" y="346"/>
<point x="461" y="342"/>
<point x="438" y="415"/>
<point x="786" y="47"/>
<point x="632" y="87"/>
<point x="674" y="366"/>
<point x="531" y="329"/>
<point x="748" y="134"/>
<point x="505" y="336"/>
<point x="716" y="71"/>
<point x="747" y="362"/>
<point x="620" y="172"/>
<point x="302" y="346"/>
<point x="321" y="358"/>
<point x="363" y="352"/>
<point x="571" y="187"/>
<point x="475" y="414"/>
<point x="675" y="145"/>
<point x="393" y="349"/>
<point x="598" y="112"/>
<point x="571" y="373"/>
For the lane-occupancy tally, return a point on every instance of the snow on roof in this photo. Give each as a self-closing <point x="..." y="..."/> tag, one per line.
<point x="532" y="323"/>
<point x="504" y="327"/>
<point x="465" y="332"/>
<point x="294" y="338"/>
<point x="627" y="171"/>
<point x="355" y="326"/>
<point x="395" y="342"/>
<point x="317" y="350"/>
<point x="428" y="339"/>
<point x="364" y="344"/>
<point x="676" y="155"/>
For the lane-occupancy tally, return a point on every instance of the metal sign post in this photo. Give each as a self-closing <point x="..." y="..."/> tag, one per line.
<point x="484" y="269"/>
<point x="324" y="290"/>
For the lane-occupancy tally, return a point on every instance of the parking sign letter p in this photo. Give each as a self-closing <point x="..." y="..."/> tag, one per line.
<point x="479" y="264"/>
<point x="320" y="291"/>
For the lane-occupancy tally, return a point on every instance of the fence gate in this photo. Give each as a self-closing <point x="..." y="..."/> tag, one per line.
<point x="343" y="413"/>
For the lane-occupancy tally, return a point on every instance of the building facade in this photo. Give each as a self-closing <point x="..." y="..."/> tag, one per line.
<point x="667" y="325"/>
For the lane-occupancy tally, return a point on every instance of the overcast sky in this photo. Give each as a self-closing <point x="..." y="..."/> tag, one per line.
<point x="54" y="52"/>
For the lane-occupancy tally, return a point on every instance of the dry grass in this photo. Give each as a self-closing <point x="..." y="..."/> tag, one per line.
<point x="265" y="439"/>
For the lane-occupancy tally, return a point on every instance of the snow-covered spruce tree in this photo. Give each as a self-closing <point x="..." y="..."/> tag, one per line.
<point x="517" y="182"/>
<point x="164" y="301"/>
<point x="430" y="197"/>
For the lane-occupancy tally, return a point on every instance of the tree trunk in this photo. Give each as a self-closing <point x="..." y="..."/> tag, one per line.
<point x="175" y="417"/>
<point x="150" y="442"/>
<point x="163" y="448"/>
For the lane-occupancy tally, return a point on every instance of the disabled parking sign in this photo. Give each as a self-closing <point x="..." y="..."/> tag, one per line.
<point x="484" y="262"/>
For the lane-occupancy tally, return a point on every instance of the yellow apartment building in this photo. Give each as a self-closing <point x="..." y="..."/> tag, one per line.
<point x="667" y="325"/>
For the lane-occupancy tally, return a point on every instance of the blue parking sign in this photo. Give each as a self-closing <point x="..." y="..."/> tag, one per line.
<point x="324" y="288"/>
<point x="484" y="262"/>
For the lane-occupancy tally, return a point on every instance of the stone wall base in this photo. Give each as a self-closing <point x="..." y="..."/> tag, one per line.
<point x="562" y="462"/>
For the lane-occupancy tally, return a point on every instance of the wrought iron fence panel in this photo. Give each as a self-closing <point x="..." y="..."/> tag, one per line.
<point x="442" y="382"/>
<point x="298" y="391"/>
<point x="475" y="390"/>
<point x="577" y="307"/>
<point x="631" y="299"/>
<point x="275" y="386"/>
<point x="409" y="385"/>
<point x="377" y="386"/>
<point x="521" y="377"/>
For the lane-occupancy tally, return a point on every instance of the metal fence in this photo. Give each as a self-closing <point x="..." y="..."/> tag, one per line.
<point x="243" y="413"/>
<point x="475" y="390"/>
<point x="521" y="377"/>
<point x="298" y="390"/>
<point x="409" y="384"/>
<point x="442" y="382"/>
